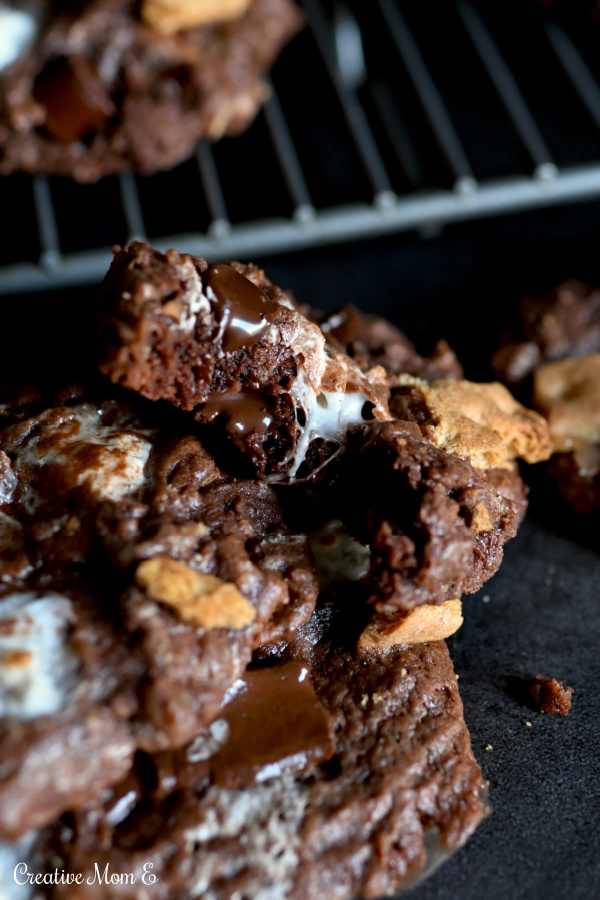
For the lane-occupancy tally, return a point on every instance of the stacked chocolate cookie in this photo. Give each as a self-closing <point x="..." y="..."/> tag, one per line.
<point x="225" y="581"/>
<point x="89" y="89"/>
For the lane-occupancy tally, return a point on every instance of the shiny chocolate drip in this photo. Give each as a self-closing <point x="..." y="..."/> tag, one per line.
<point x="245" y="310"/>
<point x="76" y="101"/>
<point x="276" y="724"/>
<point x="241" y="414"/>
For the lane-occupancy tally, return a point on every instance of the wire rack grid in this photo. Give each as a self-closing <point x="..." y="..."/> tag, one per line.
<point x="377" y="123"/>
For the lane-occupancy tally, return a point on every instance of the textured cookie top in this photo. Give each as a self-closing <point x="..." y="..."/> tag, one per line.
<point x="136" y="580"/>
<point x="358" y="756"/>
<point x="482" y="422"/>
<point x="372" y="341"/>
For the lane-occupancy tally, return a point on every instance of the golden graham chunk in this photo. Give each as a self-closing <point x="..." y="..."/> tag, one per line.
<point x="568" y="393"/>
<point x="202" y="599"/>
<point x="482" y="422"/>
<point x="425" y="623"/>
<point x="170" y="16"/>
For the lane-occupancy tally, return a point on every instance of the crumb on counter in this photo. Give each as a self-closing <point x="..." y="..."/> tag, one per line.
<point x="551" y="696"/>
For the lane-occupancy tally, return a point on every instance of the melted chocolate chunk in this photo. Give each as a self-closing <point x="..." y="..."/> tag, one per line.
<point x="245" y="309"/>
<point x="276" y="724"/>
<point x="75" y="99"/>
<point x="241" y="414"/>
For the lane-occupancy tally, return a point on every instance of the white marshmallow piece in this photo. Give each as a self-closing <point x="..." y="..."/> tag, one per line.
<point x="118" y="469"/>
<point x="124" y="458"/>
<point x="328" y="415"/>
<point x="18" y="30"/>
<point x="37" y="667"/>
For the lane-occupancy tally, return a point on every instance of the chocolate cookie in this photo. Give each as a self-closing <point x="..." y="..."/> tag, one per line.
<point x="225" y="345"/>
<point x="435" y="499"/>
<point x="91" y="89"/>
<point x="554" y="352"/>
<point x="329" y="773"/>
<point x="136" y="580"/>
<point x="567" y="393"/>
<point x="564" y="322"/>
<point x="436" y="525"/>
<point x="162" y="553"/>
<point x="372" y="341"/>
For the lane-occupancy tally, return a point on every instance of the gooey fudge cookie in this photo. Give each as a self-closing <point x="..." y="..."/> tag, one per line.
<point x="88" y="89"/>
<point x="136" y="580"/>
<point x="448" y="492"/>
<point x="326" y="775"/>
<point x="253" y="746"/>
<point x="424" y="474"/>
<point x="224" y="344"/>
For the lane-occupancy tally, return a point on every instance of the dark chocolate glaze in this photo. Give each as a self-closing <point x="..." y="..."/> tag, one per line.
<point x="241" y="413"/>
<point x="245" y="309"/>
<point x="74" y="97"/>
<point x="276" y="724"/>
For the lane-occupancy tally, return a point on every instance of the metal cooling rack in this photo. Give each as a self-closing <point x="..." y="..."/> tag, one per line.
<point x="372" y="128"/>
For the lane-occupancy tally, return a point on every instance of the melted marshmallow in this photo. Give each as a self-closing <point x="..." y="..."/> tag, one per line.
<point x="338" y="556"/>
<point x="17" y="33"/>
<point x="328" y="415"/>
<point x="116" y="471"/>
<point x="194" y="304"/>
<point x="122" y="470"/>
<point x="37" y="668"/>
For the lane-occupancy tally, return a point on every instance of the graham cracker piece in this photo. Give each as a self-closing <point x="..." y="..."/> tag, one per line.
<point x="483" y="422"/>
<point x="169" y="16"/>
<point x="425" y="623"/>
<point x="568" y="393"/>
<point x="202" y="599"/>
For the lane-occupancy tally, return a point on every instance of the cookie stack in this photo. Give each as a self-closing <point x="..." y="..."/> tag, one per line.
<point x="228" y="568"/>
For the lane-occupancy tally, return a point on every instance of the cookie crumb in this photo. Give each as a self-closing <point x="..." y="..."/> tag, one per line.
<point x="489" y="747"/>
<point x="528" y="724"/>
<point x="551" y="696"/>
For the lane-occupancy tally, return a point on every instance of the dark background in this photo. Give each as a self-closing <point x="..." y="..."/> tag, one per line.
<point x="540" y="614"/>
